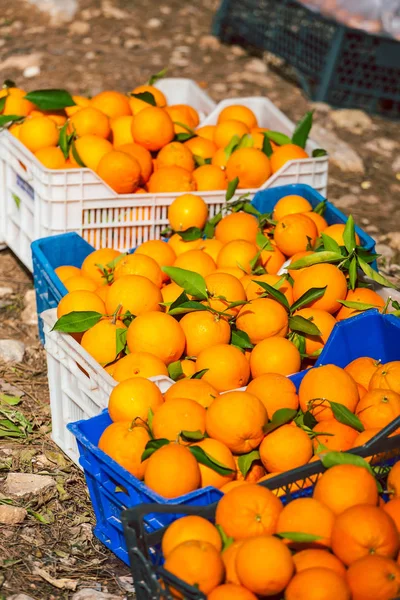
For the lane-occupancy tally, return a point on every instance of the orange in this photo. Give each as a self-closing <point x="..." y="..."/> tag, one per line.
<point x="227" y="368"/>
<point x="275" y="355"/>
<point x="362" y="530"/>
<point x="194" y="389"/>
<point x="237" y="253"/>
<point x="264" y="565"/>
<point x="177" y="415"/>
<point x="90" y="149"/>
<point x="197" y="563"/>
<point x="319" y="276"/>
<point x="393" y="509"/>
<point x="361" y="370"/>
<point x="142" y="156"/>
<point x="230" y="553"/>
<point x="248" y="510"/>
<point x="232" y="484"/>
<point x="206" y="132"/>
<point x="275" y="391"/>
<point x="201" y="147"/>
<point x="121" y="128"/>
<point x="325" y="323"/>
<point x="334" y="435"/>
<point x="387" y="377"/>
<point x="307" y="515"/>
<point x="139" y="364"/>
<point x="171" y="179"/>
<point x="190" y="527"/>
<point x="159" y="251"/>
<point x="316" y="557"/>
<point x="223" y="455"/>
<point x="16" y="104"/>
<point x="137" y="105"/>
<point x="230" y="591"/>
<point x="238" y="112"/>
<point x="284" y="154"/>
<point x="134" y="293"/>
<point x="172" y="471"/>
<point x="285" y="448"/>
<point x="336" y="233"/>
<point x="262" y="318"/>
<point x="102" y="292"/>
<point x="294" y="273"/>
<point x="295" y="233"/>
<point x="100" y="341"/>
<point x="272" y="260"/>
<point x="179" y="246"/>
<point x="156" y="333"/>
<point x="125" y="443"/>
<point x="98" y="261"/>
<point x="374" y="578"/>
<point x="209" y="178"/>
<point x="254" y="291"/>
<point x="188" y="368"/>
<point x="211" y="247"/>
<point x="185" y="118"/>
<point x="134" y="398"/>
<point x="344" y="486"/>
<point x="66" y="271"/>
<point x="327" y="382"/>
<point x="175" y="154"/>
<point x="237" y="419"/>
<point x="253" y="475"/>
<point x="235" y="271"/>
<point x="220" y="158"/>
<point x="237" y="226"/>
<point x="80" y="301"/>
<point x="80" y="102"/>
<point x="317" y="583"/>
<point x="38" y="133"/>
<point x="152" y="128"/>
<point x="120" y="171"/>
<point x="111" y="103"/>
<point x="226" y="130"/>
<point x="196" y="261"/>
<point x="250" y="165"/>
<point x="289" y="205"/>
<point x="80" y="282"/>
<point x="393" y="481"/>
<point x="319" y="221"/>
<point x="378" y="408"/>
<point x="361" y="390"/>
<point x="364" y="437"/>
<point x="138" y="264"/>
<point x="89" y="121"/>
<point x="171" y="292"/>
<point x="363" y="295"/>
<point x="51" y="157"/>
<point x="223" y="285"/>
<point x="202" y="330"/>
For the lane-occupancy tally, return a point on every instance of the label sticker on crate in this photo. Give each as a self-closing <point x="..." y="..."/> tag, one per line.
<point x="24" y="185"/>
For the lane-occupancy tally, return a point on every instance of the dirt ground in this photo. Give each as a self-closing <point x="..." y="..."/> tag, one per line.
<point x="118" y="45"/>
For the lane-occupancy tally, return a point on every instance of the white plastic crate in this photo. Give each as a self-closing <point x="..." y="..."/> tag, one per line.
<point x="79" y="386"/>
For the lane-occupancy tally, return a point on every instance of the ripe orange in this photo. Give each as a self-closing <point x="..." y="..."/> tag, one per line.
<point x="254" y="291"/>
<point x="89" y="121"/>
<point x="78" y="301"/>
<point x="202" y="330"/>
<point x="235" y="271"/>
<point x="223" y="455"/>
<point x="272" y="260"/>
<point x="152" y="128"/>
<point x="139" y="364"/>
<point x="121" y="128"/>
<point x="223" y="285"/>
<point x="361" y="369"/>
<point x="275" y="355"/>
<point x="263" y="318"/>
<point x="238" y="112"/>
<point x="159" y="251"/>
<point x="120" y="171"/>
<point x="80" y="282"/>
<point x="359" y="295"/>
<point x="361" y="530"/>
<point x="227" y="368"/>
<point x="334" y="435"/>
<point x="197" y="261"/>
<point x="220" y="158"/>
<point x="134" y="293"/>
<point x="344" y="486"/>
<point x="393" y="481"/>
<point x="393" y="509"/>
<point x="250" y="165"/>
<point x="237" y="419"/>
<point x="284" y="154"/>
<point x="264" y="565"/>
<point x="172" y="471"/>
<point x="364" y="437"/>
<point x="206" y="132"/>
<point x="51" y="157"/>
<point x="387" y="377"/>
<point x="289" y="205"/>
<point x="336" y="233"/>
<point x="378" y="408"/>
<point x="211" y="247"/>
<point x="177" y="415"/>
<point x="275" y="392"/>
<point x="316" y="557"/>
<point x="226" y="130"/>
<point x="325" y="323"/>
<point x="294" y="273"/>
<point x="171" y="292"/>
<point x="318" y="276"/>
<point x="253" y="475"/>
<point x="137" y="105"/>
<point x="188" y="368"/>
<point x="190" y="527"/>
<point x="184" y="117"/>
<point x="175" y="154"/>
<point x="229" y="554"/>
<point x="197" y="563"/>
<point x="374" y="578"/>
<point x="100" y="341"/>
<point x="66" y="271"/>
<point x="194" y="389"/>
<point x="98" y="261"/>
<point x="139" y="264"/>
<point x="134" y="398"/>
<point x="316" y="583"/>
<point x="237" y="226"/>
<point x="156" y="333"/>
<point x="111" y="103"/>
<point x="285" y="448"/>
<point x="171" y="179"/>
<point x="238" y="253"/>
<point x="307" y="515"/>
<point x="90" y="149"/>
<point x="209" y="178"/>
<point x="142" y="156"/>
<point x="15" y="103"/>
<point x="38" y="133"/>
<point x="319" y="221"/>
<point x="179" y="246"/>
<point x="295" y="233"/>
<point x="125" y="443"/>
<point x="230" y="591"/>
<point x="201" y="147"/>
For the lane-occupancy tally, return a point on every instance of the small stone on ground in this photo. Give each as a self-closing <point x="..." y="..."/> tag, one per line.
<point x="11" y="351"/>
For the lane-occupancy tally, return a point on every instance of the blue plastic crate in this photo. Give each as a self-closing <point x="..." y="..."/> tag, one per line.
<point x="70" y="249"/>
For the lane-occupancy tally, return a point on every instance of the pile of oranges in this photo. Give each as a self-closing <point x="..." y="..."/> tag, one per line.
<point x="137" y="143"/>
<point x="340" y="544"/>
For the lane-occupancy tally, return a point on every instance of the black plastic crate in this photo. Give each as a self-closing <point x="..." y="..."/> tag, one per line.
<point x="335" y="64"/>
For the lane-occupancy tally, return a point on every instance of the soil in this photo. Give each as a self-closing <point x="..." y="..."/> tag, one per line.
<point x="118" y="45"/>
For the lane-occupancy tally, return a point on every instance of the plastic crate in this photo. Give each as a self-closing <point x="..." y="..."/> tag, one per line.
<point x="39" y="202"/>
<point x="153" y="582"/>
<point x="335" y="64"/>
<point x="179" y="90"/>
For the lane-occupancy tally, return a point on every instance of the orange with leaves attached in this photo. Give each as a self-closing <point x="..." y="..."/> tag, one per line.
<point x="125" y="442"/>
<point x="295" y="233"/>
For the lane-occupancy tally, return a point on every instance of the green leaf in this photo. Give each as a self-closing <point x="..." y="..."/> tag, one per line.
<point x="263" y="242"/>
<point x="320" y="208"/>
<point x="226" y="540"/>
<point x="299" y="341"/>
<point x="357" y="305"/>
<point x="204" y="458"/>
<point x="302" y="130"/>
<point x="232" y="146"/>
<point x="246" y="141"/>
<point x="113" y="263"/>
<point x="64" y="140"/>
<point x="121" y="339"/>
<point x="353" y="273"/>
<point x="333" y="459"/>
<point x="198" y="374"/>
<point x="3" y="102"/>
<point x="369" y="272"/>
<point x="16" y="199"/>
<point x="298" y="537"/>
<point x="230" y="192"/>
<point x="184" y="137"/>
<point x="152" y="446"/>
<point x="193" y="283"/>
<point x="77" y="321"/>
<point x="150" y="416"/>
<point x="6" y="119"/>
<point x="272" y="291"/>
<point x="193" y="233"/>
<point x="301" y="325"/>
<point x="266" y="147"/>
<point x="10" y="400"/>
<point x="279" y="138"/>
<point x="309" y="420"/>
<point x="330" y="244"/>
<point x="240" y="339"/>
<point x="193" y="436"/>
<point x="343" y="415"/>
<point x="209" y="230"/>
<point x="309" y="296"/>
<point x="246" y="460"/>
<point x="315" y="259"/>
<point x="157" y="76"/>
<point x="186" y="307"/>
<point x="175" y="370"/>
<point x="41" y="518"/>
<point x="279" y="418"/>
<point x="50" y="99"/>
<point x="237" y="303"/>
<point x="76" y="156"/>
<point x="349" y="235"/>
<point x="318" y="152"/>
<point x="186" y="127"/>
<point x="145" y="97"/>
